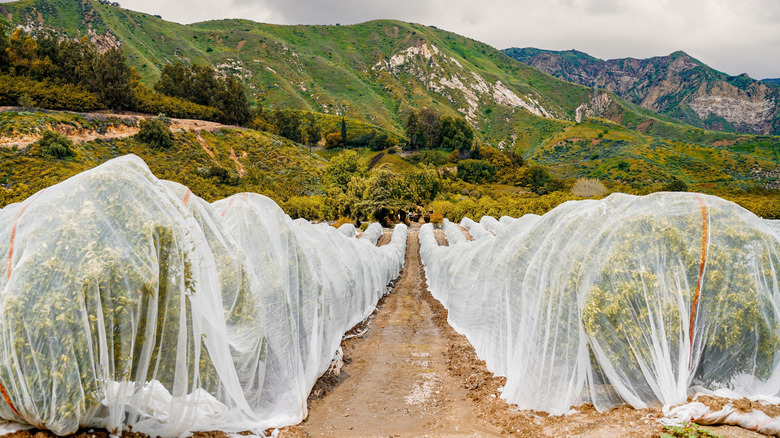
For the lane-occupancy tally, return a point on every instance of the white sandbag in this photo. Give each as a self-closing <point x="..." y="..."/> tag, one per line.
<point x="699" y="413"/>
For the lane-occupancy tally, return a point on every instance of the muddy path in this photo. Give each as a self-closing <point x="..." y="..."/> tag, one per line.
<point x="398" y="383"/>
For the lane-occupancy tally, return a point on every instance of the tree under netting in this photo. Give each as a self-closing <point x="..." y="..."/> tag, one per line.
<point x="128" y="302"/>
<point x="628" y="299"/>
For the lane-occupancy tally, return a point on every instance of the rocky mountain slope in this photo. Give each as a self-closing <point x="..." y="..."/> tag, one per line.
<point x="676" y="85"/>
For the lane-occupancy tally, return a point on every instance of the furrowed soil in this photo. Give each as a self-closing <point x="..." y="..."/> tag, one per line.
<point x="412" y="375"/>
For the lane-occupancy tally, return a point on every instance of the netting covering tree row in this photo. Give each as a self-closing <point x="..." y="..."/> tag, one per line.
<point x="127" y="301"/>
<point x="624" y="300"/>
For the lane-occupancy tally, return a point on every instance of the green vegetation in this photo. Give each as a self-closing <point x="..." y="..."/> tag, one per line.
<point x="154" y="133"/>
<point x="263" y="163"/>
<point x="55" y="145"/>
<point x="203" y="86"/>
<point x="690" y="431"/>
<point x="738" y="329"/>
<point x="476" y="171"/>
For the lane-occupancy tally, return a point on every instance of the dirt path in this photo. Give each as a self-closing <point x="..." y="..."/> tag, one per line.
<point x="397" y="383"/>
<point x="112" y="132"/>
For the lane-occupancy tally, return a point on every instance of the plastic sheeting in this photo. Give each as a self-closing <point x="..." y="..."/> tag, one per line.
<point x="491" y="224"/>
<point x="700" y="413"/>
<point x="127" y="301"/>
<point x="623" y="300"/>
<point x="453" y="232"/>
<point x="476" y="230"/>
<point x="372" y="233"/>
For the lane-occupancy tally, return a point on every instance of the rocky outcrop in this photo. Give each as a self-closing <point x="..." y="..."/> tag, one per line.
<point x="446" y="75"/>
<point x="676" y="85"/>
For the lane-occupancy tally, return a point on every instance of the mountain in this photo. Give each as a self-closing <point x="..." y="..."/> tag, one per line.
<point x="676" y="85"/>
<point x="775" y="81"/>
<point x="376" y="72"/>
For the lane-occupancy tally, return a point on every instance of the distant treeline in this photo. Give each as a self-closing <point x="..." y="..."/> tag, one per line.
<point x="48" y="71"/>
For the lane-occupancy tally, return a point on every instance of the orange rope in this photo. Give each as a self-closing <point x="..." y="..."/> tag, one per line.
<point x="232" y="198"/>
<point x="705" y="226"/>
<point x="8" y="400"/>
<point x="13" y="234"/>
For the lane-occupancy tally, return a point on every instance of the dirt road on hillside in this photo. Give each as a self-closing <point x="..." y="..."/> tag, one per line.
<point x="81" y="135"/>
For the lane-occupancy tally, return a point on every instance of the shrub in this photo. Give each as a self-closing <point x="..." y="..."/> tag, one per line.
<point x="364" y="226"/>
<point x="437" y="219"/>
<point x="148" y="102"/>
<point x="55" y="145"/>
<point x="476" y="171"/>
<point x="307" y="207"/>
<point x="333" y="140"/>
<point x="675" y="186"/>
<point x="342" y="220"/>
<point x="27" y="102"/>
<point x="432" y="157"/>
<point x="15" y="90"/>
<point x="589" y="188"/>
<point x="164" y="119"/>
<point x="154" y="133"/>
<point x="220" y="173"/>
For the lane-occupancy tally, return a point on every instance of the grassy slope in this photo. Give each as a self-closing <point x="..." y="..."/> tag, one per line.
<point x="611" y="152"/>
<point x="274" y="166"/>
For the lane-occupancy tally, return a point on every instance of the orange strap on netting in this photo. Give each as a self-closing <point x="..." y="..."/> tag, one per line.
<point x="13" y="234"/>
<point x="8" y="400"/>
<point x="705" y="231"/>
<point x="187" y="197"/>
<point x="232" y="198"/>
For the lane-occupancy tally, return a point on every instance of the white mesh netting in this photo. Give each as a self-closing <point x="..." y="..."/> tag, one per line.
<point x="624" y="300"/>
<point x="128" y="301"/>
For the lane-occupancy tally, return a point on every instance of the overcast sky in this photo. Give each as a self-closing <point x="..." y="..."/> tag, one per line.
<point x="733" y="36"/>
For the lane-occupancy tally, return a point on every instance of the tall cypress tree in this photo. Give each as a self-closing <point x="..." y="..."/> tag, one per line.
<point x="344" y="131"/>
